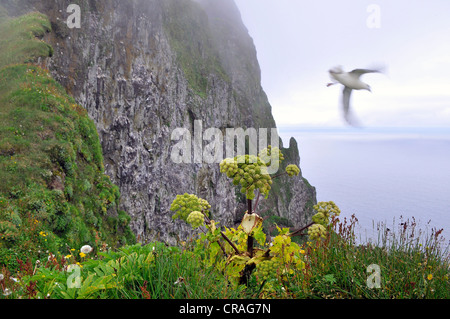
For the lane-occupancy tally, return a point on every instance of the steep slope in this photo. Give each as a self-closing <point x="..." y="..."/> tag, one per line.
<point x="144" y="68"/>
<point x="53" y="191"/>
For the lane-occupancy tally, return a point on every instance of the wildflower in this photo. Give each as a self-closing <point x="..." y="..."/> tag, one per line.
<point x="430" y="276"/>
<point x="7" y="292"/>
<point x="68" y="256"/>
<point x="82" y="255"/>
<point x="1" y="277"/>
<point x="302" y="252"/>
<point x="179" y="281"/>
<point x="86" y="249"/>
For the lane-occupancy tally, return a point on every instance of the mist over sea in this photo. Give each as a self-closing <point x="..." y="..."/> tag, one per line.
<point x="379" y="174"/>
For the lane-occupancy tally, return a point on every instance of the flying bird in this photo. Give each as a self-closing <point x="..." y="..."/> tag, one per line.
<point x="350" y="81"/>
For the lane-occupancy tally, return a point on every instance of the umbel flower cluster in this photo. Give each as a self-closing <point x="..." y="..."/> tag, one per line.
<point x="185" y="204"/>
<point x="292" y="170"/>
<point x="250" y="172"/>
<point x="269" y="153"/>
<point x="196" y="219"/>
<point x="317" y="231"/>
<point x="267" y="269"/>
<point x="322" y="219"/>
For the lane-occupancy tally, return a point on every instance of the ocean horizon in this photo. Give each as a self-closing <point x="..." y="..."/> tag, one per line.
<point x="381" y="175"/>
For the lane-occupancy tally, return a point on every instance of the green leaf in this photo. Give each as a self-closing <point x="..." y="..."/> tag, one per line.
<point x="239" y="259"/>
<point x="330" y="278"/>
<point x="259" y="236"/>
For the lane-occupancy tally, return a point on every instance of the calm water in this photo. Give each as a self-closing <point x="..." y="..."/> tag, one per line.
<point x="380" y="174"/>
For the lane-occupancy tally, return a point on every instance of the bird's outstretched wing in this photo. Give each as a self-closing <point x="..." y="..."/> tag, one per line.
<point x="348" y="116"/>
<point x="359" y="72"/>
<point x="346" y="101"/>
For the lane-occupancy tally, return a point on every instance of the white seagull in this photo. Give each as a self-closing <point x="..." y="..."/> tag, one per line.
<point x="350" y="81"/>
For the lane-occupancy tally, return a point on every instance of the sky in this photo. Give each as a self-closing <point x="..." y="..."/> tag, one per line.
<point x="299" y="41"/>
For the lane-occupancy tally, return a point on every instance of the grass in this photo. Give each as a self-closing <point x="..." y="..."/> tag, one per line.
<point x="154" y="271"/>
<point x="410" y="266"/>
<point x="336" y="268"/>
<point x="21" y="38"/>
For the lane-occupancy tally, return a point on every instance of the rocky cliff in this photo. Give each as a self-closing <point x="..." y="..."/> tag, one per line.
<point x="143" y="68"/>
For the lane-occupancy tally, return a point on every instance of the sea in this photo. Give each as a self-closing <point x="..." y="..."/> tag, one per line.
<point x="383" y="176"/>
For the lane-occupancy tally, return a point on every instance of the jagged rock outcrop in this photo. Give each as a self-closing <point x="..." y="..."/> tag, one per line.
<point x="143" y="68"/>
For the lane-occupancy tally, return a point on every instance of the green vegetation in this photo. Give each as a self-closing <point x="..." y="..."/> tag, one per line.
<point x="185" y="22"/>
<point x="20" y="40"/>
<point x="411" y="267"/>
<point x="132" y="272"/>
<point x="54" y="195"/>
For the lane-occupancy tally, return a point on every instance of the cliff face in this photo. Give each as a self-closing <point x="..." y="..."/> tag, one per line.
<point x="143" y="68"/>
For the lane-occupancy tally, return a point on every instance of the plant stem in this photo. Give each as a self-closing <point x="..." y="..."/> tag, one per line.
<point x="231" y="243"/>
<point x="208" y="221"/>
<point x="250" y="246"/>
<point x="250" y="238"/>
<point x="298" y="231"/>
<point x="279" y="175"/>
<point x="220" y="244"/>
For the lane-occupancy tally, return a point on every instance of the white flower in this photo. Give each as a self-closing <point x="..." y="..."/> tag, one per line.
<point x="7" y="292"/>
<point x="2" y="277"/>
<point x="86" y="249"/>
<point x="179" y="281"/>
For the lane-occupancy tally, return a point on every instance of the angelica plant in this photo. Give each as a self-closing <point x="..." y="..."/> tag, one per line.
<point x="248" y="171"/>
<point x="184" y="205"/>
<point x="196" y="219"/>
<point x="238" y="252"/>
